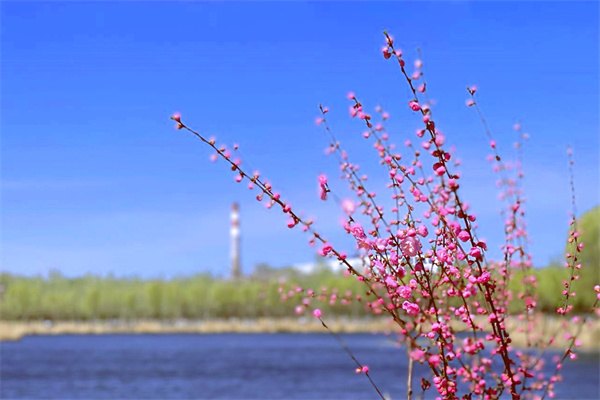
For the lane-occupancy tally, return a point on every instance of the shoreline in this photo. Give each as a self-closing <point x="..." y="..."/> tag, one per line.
<point x="15" y="330"/>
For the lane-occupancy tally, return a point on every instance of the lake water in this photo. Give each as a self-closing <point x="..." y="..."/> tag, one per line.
<point x="232" y="366"/>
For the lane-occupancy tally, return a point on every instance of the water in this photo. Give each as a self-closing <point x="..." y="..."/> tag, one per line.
<point x="233" y="366"/>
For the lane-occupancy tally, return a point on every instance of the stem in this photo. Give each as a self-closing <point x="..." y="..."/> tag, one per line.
<point x="352" y="356"/>
<point x="409" y="390"/>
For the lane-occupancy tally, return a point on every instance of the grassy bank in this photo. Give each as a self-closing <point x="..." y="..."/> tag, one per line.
<point x="12" y="330"/>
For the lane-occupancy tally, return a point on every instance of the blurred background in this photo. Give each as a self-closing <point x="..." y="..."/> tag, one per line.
<point x="109" y="215"/>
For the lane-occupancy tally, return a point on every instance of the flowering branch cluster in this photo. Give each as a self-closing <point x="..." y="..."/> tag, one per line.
<point x="424" y="265"/>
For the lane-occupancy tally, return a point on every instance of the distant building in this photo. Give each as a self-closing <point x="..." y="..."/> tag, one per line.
<point x="357" y="263"/>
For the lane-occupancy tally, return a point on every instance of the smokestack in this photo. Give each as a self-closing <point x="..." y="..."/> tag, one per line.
<point x="236" y="271"/>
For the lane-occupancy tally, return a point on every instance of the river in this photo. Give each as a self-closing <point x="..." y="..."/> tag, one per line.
<point x="222" y="366"/>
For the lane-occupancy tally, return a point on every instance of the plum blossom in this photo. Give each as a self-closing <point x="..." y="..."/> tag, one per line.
<point x="410" y="308"/>
<point x="410" y="246"/>
<point x="323" y="188"/>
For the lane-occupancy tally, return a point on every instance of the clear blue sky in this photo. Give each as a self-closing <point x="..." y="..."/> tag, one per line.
<point x="95" y="179"/>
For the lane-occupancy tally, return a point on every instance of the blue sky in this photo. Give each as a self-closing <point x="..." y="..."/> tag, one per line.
<point x="95" y="179"/>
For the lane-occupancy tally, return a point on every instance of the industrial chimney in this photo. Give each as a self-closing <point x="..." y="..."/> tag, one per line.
<point x="236" y="271"/>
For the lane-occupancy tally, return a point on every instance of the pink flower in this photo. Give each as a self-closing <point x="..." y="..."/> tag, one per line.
<point x="317" y="313"/>
<point x="410" y="308"/>
<point x="417" y="354"/>
<point x="484" y="278"/>
<point x="323" y="189"/>
<point x="386" y="52"/>
<point x="414" y="106"/>
<point x="348" y="206"/>
<point x="177" y="118"/>
<point x="391" y="282"/>
<point x="410" y="246"/>
<point x="464" y="236"/>
<point x="326" y="249"/>
<point x="475" y="252"/>
<point x="404" y="291"/>
<point x="362" y="370"/>
<point x="358" y="232"/>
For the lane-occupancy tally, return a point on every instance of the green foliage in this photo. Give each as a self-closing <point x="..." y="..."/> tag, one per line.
<point x="202" y="296"/>
<point x="589" y="275"/>
<point x="197" y="297"/>
<point x="589" y="227"/>
<point x="551" y="278"/>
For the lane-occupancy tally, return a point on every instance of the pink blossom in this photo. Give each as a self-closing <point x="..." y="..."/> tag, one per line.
<point x="414" y="106"/>
<point x="391" y="282"/>
<point x="476" y="253"/>
<point x="317" y="313"/>
<point x="404" y="291"/>
<point x="417" y="354"/>
<point x="410" y="246"/>
<point x="464" y="235"/>
<point x="410" y="308"/>
<point x="386" y="52"/>
<point x="326" y="249"/>
<point x="358" y="232"/>
<point x="484" y="278"/>
<point x="348" y="206"/>
<point x="176" y="117"/>
<point x="323" y="189"/>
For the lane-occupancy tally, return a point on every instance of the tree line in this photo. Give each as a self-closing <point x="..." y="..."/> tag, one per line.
<point x="203" y="296"/>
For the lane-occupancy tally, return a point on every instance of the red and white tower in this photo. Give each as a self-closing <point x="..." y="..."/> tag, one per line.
<point x="236" y="271"/>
